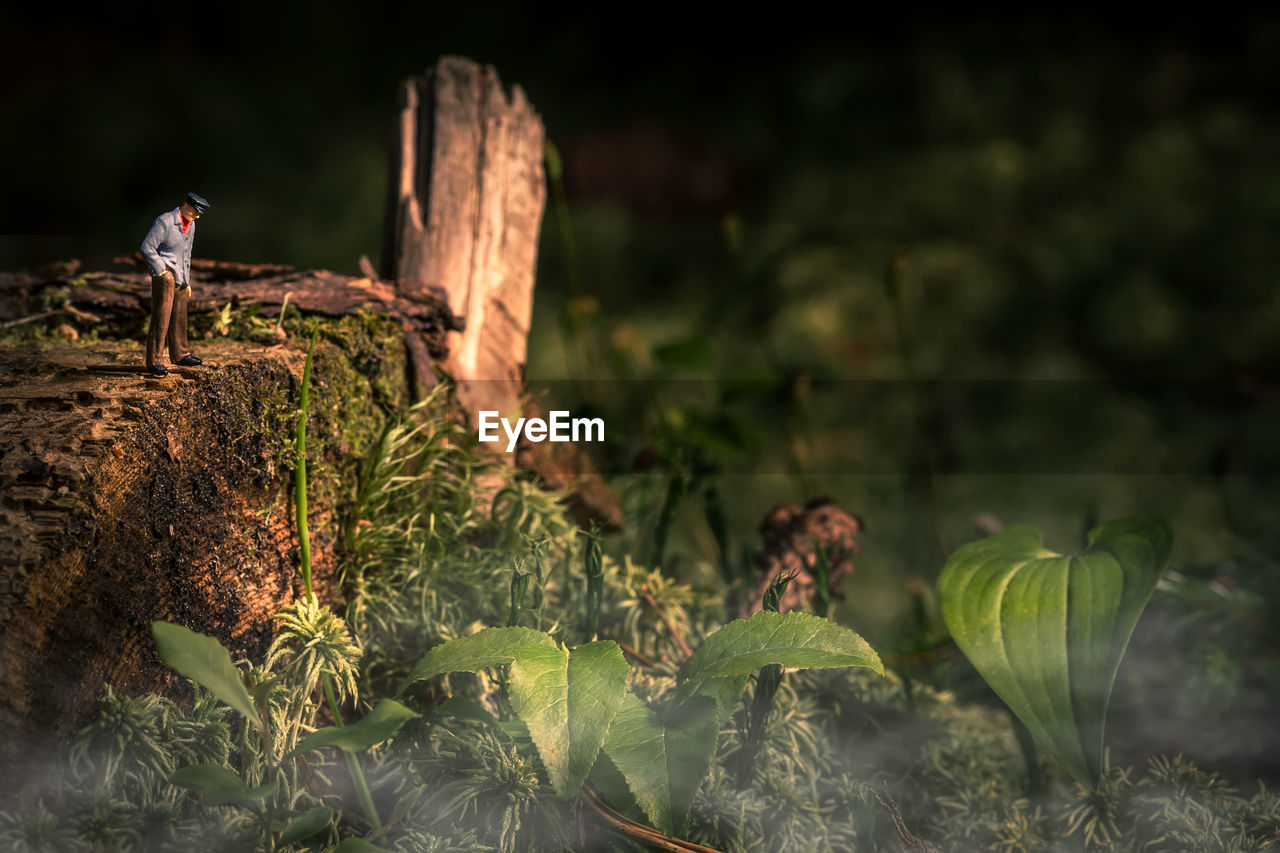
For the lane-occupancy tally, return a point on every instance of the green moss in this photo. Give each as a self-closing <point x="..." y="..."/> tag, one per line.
<point x="358" y="381"/>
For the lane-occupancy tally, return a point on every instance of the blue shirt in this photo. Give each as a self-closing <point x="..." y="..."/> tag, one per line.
<point x="166" y="247"/>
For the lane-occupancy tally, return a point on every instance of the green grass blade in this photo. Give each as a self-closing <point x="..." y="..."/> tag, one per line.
<point x="300" y="471"/>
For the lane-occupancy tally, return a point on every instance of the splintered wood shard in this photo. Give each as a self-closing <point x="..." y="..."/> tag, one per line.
<point x="466" y="202"/>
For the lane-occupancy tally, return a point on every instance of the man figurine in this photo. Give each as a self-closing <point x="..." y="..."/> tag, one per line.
<point x="167" y="249"/>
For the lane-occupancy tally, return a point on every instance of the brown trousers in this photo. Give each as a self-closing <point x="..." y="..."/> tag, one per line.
<point x="168" y="320"/>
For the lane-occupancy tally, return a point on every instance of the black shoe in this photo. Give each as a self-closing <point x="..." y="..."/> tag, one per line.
<point x="158" y="370"/>
<point x="189" y="361"/>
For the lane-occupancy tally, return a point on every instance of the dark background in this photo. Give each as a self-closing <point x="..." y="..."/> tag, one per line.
<point x="279" y="115"/>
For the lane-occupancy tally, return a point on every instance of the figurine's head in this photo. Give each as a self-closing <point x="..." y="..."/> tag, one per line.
<point x="193" y="206"/>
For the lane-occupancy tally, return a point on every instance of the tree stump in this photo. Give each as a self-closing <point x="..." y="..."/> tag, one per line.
<point x="125" y="500"/>
<point x="465" y="203"/>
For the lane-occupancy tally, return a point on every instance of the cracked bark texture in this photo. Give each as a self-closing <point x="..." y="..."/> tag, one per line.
<point x="465" y="204"/>
<point x="125" y="500"/>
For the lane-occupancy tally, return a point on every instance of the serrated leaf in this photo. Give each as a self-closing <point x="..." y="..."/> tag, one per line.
<point x="489" y="647"/>
<point x="1047" y="632"/>
<point x="206" y="662"/>
<point x="611" y="785"/>
<point x="568" y="699"/>
<point x="306" y="825"/>
<point x="724" y="692"/>
<point x="786" y="639"/>
<point x="369" y="731"/>
<point x="218" y="785"/>
<point x="664" y="758"/>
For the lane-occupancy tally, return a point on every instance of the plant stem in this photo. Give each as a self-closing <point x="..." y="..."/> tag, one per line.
<point x="666" y="620"/>
<point x="304" y="549"/>
<point x="594" y="561"/>
<point x="676" y="488"/>
<point x="300" y="472"/>
<point x="638" y="832"/>
<point x="268" y="753"/>
<point x="353" y="764"/>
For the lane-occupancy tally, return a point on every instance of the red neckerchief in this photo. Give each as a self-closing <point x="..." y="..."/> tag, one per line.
<point x="184" y="222"/>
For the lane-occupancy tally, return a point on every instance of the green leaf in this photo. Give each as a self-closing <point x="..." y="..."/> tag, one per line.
<point x="568" y="699"/>
<point x="472" y="711"/>
<point x="206" y="662"/>
<point x="466" y="709"/>
<point x="1047" y="632"/>
<point x="489" y="647"/>
<point x="611" y="785"/>
<point x="370" y="730"/>
<point x="218" y="785"/>
<point x="664" y="758"/>
<point x="261" y="691"/>
<point x="724" y="692"/>
<point x="787" y="639"/>
<point x="306" y="825"/>
<point x="356" y="845"/>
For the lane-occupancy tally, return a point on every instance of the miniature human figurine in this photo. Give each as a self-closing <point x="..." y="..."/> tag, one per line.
<point x="167" y="250"/>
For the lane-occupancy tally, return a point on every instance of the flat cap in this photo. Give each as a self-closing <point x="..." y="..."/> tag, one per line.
<point x="200" y="204"/>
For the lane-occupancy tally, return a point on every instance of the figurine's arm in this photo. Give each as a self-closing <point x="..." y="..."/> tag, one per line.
<point x="151" y="243"/>
<point x="186" y="261"/>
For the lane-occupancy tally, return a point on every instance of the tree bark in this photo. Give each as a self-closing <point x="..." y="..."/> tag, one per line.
<point x="125" y="500"/>
<point x="465" y="204"/>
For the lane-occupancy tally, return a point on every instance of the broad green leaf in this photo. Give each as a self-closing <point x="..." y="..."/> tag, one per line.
<point x="611" y="784"/>
<point x="356" y="845"/>
<point x="1047" y="632"/>
<point x="568" y="699"/>
<point x="218" y="785"/>
<point x="490" y="647"/>
<point x="206" y="662"/>
<point x="787" y="639"/>
<point x="370" y="730"/>
<point x="664" y="758"/>
<point x="724" y="692"/>
<point x="306" y="825"/>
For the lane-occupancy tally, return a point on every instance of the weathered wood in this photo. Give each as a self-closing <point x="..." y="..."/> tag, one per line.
<point x="124" y="500"/>
<point x="123" y="297"/>
<point x="564" y="467"/>
<point x="466" y="202"/>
